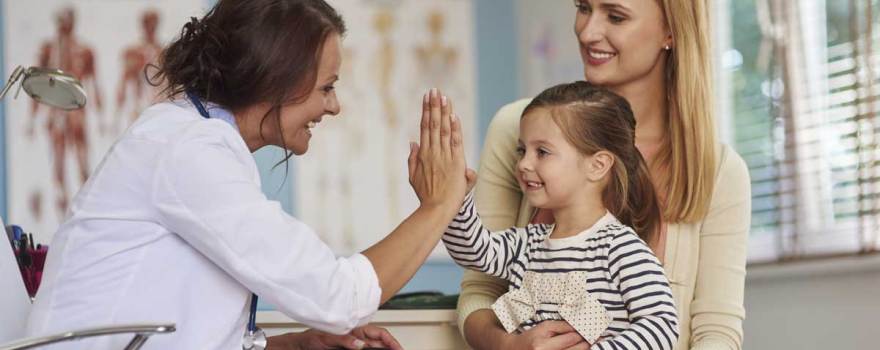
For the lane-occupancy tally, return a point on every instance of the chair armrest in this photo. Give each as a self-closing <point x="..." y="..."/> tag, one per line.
<point x="141" y="333"/>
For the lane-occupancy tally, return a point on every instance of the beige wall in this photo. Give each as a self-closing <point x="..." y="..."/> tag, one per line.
<point x="831" y="304"/>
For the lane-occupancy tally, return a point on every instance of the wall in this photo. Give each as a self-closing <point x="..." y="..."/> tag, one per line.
<point x="827" y="304"/>
<point x="3" y="164"/>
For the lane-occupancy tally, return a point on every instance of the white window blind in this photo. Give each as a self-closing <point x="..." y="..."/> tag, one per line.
<point x="805" y="81"/>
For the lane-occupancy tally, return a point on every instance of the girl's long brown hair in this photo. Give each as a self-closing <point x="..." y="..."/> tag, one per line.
<point x="595" y="119"/>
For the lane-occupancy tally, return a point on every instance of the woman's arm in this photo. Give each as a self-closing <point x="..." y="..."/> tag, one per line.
<point x="207" y="192"/>
<point x="717" y="310"/>
<point x="312" y="339"/>
<point x="547" y="335"/>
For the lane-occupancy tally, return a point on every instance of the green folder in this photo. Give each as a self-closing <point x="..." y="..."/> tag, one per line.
<point x="421" y="301"/>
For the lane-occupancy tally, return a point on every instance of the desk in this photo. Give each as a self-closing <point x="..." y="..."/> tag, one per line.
<point x="414" y="329"/>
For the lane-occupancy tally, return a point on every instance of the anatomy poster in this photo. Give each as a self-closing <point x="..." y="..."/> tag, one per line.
<point x="352" y="185"/>
<point x="106" y="44"/>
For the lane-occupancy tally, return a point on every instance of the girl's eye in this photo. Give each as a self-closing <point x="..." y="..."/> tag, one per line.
<point x="521" y="151"/>
<point x="328" y="89"/>
<point x="615" y="19"/>
<point x="542" y="152"/>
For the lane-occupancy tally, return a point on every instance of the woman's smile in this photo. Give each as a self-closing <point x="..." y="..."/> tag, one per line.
<point x="595" y="57"/>
<point x="311" y="125"/>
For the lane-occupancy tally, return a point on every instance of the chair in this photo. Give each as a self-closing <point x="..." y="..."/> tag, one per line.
<point x="16" y="305"/>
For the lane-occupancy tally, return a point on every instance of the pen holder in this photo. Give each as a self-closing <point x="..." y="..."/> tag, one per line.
<point x="31" y="262"/>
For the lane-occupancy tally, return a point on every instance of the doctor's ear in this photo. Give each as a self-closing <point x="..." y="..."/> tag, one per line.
<point x="599" y="164"/>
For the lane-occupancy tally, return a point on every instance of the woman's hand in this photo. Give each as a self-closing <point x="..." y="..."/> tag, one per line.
<point x="359" y="338"/>
<point x="548" y="335"/>
<point x="437" y="169"/>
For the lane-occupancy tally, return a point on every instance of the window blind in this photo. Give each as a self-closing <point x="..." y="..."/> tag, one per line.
<point x="805" y="119"/>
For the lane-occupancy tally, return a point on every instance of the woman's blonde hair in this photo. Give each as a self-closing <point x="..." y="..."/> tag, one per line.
<point x="689" y="154"/>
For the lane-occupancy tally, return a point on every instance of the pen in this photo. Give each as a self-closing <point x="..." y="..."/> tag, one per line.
<point x="16" y="231"/>
<point x="26" y="260"/>
<point x="10" y="235"/>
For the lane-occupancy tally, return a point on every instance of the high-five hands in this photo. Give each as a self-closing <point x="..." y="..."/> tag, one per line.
<point x="437" y="173"/>
<point x="437" y="162"/>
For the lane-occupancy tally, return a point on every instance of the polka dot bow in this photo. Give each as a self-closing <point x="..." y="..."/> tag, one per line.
<point x="558" y="296"/>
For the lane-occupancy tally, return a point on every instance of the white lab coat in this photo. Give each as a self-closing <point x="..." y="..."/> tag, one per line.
<point x="173" y="227"/>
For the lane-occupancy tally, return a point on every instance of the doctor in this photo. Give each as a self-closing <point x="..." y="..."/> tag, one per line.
<point x="173" y="225"/>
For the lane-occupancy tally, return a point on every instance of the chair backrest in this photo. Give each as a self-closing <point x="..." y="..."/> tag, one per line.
<point x="14" y="300"/>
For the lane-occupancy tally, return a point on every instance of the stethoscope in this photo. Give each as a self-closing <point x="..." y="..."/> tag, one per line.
<point x="254" y="338"/>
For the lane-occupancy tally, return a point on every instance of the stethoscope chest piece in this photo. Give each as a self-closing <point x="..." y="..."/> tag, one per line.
<point x="254" y="340"/>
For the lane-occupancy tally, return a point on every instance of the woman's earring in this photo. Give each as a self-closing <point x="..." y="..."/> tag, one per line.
<point x="666" y="47"/>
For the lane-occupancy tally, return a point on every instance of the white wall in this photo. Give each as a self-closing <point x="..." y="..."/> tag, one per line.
<point x="828" y="304"/>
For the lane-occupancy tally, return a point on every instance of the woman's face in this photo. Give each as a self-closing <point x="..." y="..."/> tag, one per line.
<point x="298" y="121"/>
<point x="621" y="41"/>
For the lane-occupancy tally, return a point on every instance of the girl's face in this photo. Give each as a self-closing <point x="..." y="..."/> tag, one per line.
<point x="621" y="40"/>
<point x="551" y="172"/>
<point x="299" y="120"/>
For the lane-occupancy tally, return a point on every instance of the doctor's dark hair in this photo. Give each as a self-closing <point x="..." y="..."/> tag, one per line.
<point x="245" y="52"/>
<point x="593" y="119"/>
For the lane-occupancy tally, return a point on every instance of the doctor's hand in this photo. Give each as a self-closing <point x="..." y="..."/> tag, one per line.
<point x="359" y="338"/>
<point x="437" y="166"/>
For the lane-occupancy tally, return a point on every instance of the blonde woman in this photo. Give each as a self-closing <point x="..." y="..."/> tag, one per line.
<point x="656" y="54"/>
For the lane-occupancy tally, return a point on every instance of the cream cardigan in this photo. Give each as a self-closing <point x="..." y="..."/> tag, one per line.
<point x="705" y="261"/>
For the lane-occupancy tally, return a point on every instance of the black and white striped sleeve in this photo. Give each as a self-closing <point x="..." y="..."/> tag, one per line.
<point x="473" y="246"/>
<point x="646" y="295"/>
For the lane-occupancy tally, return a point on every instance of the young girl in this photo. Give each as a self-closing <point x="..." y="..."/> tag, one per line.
<point x="590" y="268"/>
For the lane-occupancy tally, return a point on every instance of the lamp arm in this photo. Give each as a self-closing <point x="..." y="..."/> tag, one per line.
<point x="13" y="78"/>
